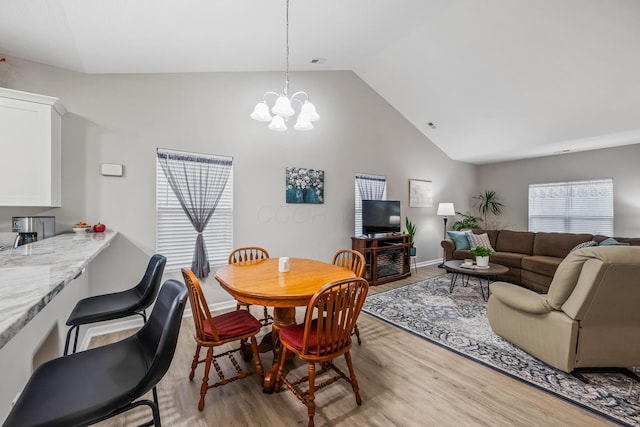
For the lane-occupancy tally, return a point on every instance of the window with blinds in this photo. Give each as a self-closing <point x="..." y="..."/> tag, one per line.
<point x="176" y="237"/>
<point x="572" y="207"/>
<point x="372" y="187"/>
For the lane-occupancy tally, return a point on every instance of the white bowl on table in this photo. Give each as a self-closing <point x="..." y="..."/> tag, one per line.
<point x="83" y="229"/>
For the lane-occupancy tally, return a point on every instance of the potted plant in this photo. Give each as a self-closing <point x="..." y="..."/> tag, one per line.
<point x="482" y="255"/>
<point x="411" y="231"/>
<point x="488" y="202"/>
<point x="467" y="222"/>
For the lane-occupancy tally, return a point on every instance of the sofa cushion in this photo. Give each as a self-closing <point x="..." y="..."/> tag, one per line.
<point x="493" y="235"/>
<point x="566" y="277"/>
<point x="633" y="241"/>
<point x="476" y="240"/>
<point x="462" y="254"/>
<point x="459" y="239"/>
<point x="508" y="259"/>
<point x="584" y="245"/>
<point x="612" y="242"/>
<point x="545" y="265"/>
<point x="515" y="241"/>
<point x="557" y="244"/>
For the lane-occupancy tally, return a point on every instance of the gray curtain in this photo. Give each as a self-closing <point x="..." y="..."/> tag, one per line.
<point x="198" y="182"/>
<point x="371" y="187"/>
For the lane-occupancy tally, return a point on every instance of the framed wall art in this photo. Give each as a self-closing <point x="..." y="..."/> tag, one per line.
<point x="420" y="194"/>
<point x="304" y="185"/>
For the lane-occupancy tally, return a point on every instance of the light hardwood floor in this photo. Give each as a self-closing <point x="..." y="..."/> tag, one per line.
<point x="404" y="381"/>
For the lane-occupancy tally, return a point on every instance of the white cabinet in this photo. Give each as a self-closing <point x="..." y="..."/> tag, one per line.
<point x="30" y="134"/>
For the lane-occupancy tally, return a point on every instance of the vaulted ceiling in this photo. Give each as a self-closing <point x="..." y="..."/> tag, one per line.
<point x="498" y="79"/>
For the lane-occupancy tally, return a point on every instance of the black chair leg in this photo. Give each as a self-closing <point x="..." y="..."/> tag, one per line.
<point x="154" y="410"/>
<point x="155" y="397"/>
<point x="66" y="344"/>
<point x="75" y="340"/>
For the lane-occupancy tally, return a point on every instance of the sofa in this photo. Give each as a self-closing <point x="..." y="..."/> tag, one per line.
<point x="588" y="319"/>
<point x="532" y="258"/>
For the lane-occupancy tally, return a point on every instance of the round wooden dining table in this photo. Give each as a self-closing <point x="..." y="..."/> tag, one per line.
<point x="260" y="283"/>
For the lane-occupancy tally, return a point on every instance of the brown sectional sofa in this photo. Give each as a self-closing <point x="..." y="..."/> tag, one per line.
<point x="532" y="258"/>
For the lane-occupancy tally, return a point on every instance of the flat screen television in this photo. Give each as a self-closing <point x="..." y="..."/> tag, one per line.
<point x="380" y="216"/>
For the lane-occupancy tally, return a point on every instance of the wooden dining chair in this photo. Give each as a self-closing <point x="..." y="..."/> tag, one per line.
<point x="213" y="331"/>
<point x="248" y="255"/>
<point x="354" y="261"/>
<point x="322" y="339"/>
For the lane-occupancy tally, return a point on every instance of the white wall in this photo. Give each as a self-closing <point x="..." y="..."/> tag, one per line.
<point x="511" y="179"/>
<point x="123" y="118"/>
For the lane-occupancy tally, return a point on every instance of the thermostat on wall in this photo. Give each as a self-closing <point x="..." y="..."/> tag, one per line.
<point x="109" y="169"/>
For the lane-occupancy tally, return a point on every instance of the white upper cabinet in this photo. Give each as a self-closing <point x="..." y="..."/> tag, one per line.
<point x="30" y="134"/>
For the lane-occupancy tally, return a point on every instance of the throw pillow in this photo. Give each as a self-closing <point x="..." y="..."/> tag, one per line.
<point x="612" y="242"/>
<point x="584" y="245"/>
<point x="459" y="239"/>
<point x="479" y="240"/>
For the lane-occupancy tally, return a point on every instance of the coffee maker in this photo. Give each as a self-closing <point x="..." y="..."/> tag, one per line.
<point x="32" y="228"/>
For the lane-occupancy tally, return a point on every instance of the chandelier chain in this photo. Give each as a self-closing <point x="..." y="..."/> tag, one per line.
<point x="282" y="108"/>
<point x="286" y="77"/>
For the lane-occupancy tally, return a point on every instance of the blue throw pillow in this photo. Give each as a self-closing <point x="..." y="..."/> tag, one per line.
<point x="459" y="239"/>
<point x="612" y="242"/>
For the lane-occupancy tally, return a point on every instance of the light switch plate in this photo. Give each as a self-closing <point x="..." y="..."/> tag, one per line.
<point x="110" y="169"/>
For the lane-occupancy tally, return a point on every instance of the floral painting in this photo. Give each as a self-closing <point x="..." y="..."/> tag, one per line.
<point x="304" y="185"/>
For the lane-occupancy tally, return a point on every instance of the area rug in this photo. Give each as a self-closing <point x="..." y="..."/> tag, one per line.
<point x="458" y="322"/>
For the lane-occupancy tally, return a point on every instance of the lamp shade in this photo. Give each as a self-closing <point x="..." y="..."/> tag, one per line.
<point x="282" y="107"/>
<point x="261" y="112"/>
<point x="308" y="112"/>
<point x="277" y="124"/>
<point x="446" y="209"/>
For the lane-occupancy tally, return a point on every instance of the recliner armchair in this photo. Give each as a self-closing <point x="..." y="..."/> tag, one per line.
<point x="588" y="319"/>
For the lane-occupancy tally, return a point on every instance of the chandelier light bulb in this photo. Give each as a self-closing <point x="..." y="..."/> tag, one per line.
<point x="283" y="107"/>
<point x="261" y="112"/>
<point x="277" y="124"/>
<point x="308" y="112"/>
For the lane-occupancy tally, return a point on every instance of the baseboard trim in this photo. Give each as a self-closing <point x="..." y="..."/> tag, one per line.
<point x="429" y="262"/>
<point x="136" y="322"/>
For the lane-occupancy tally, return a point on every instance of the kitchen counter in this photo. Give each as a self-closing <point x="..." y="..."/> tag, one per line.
<point x="32" y="275"/>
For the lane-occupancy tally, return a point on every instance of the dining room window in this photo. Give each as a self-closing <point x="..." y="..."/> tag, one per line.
<point x="175" y="233"/>
<point x="367" y="187"/>
<point x="584" y="206"/>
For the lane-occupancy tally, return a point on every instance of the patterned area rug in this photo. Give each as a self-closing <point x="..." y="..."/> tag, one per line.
<point x="458" y="322"/>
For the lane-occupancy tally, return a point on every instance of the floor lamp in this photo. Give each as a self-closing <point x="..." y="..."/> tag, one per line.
<point x="445" y="210"/>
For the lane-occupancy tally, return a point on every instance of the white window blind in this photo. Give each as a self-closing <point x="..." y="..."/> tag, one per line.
<point x="176" y="237"/>
<point x="572" y="207"/>
<point x="375" y="187"/>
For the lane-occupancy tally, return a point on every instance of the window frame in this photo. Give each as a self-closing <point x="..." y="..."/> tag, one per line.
<point x="579" y="206"/>
<point x="358" y="199"/>
<point x="176" y="237"/>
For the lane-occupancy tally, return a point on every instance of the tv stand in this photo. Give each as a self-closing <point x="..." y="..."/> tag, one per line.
<point x="386" y="255"/>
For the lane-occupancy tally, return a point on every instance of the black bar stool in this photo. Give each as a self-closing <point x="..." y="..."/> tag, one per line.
<point x="119" y="304"/>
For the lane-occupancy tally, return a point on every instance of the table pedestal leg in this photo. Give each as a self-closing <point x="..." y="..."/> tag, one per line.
<point x="282" y="317"/>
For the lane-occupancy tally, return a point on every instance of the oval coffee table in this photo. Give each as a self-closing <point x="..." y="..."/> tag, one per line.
<point x="455" y="267"/>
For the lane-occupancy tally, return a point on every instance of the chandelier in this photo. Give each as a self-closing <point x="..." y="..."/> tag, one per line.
<point x="282" y="108"/>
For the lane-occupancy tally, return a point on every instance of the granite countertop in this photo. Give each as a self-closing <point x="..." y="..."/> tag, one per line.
<point x="33" y="274"/>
